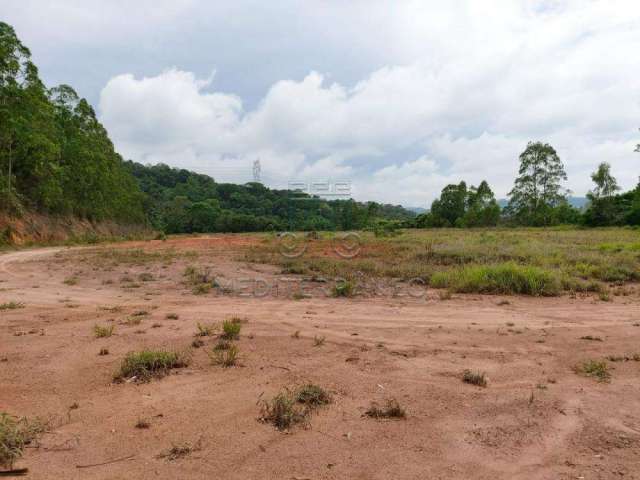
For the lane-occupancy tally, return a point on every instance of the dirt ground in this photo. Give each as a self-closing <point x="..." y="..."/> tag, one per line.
<point x="536" y="419"/>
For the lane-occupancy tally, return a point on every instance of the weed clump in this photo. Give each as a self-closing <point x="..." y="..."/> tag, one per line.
<point x="225" y="357"/>
<point x="102" y="332"/>
<point x="391" y="410"/>
<point x="474" y="378"/>
<point x="146" y="364"/>
<point x="231" y="329"/>
<point x="312" y="395"/>
<point x="15" y="435"/>
<point x="344" y="288"/>
<point x="594" y="368"/>
<point x="205" y="330"/>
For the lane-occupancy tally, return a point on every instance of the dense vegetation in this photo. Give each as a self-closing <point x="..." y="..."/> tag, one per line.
<point x="55" y="156"/>
<point x="179" y="201"/>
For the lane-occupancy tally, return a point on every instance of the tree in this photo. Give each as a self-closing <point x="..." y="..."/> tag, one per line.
<point x="606" y="184"/>
<point x="537" y="189"/>
<point x="482" y="208"/>
<point x="603" y="208"/>
<point x="450" y="206"/>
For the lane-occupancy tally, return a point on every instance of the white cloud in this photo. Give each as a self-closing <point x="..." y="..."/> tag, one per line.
<point x="461" y="91"/>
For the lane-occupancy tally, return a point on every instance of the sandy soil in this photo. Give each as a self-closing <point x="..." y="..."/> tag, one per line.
<point x="537" y="418"/>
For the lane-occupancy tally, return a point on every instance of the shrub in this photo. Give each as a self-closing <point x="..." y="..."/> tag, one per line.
<point x="391" y="410"/>
<point x="231" y="329"/>
<point x="147" y="364"/>
<point x="474" y="378"/>
<point x="318" y="341"/>
<point x="506" y="278"/>
<point x="102" y="332"/>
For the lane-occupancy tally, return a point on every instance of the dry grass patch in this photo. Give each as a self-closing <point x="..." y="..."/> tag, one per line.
<point x="11" y="305"/>
<point x="474" y="378"/>
<point x="205" y="329"/>
<point x="392" y="409"/>
<point x="100" y="331"/>
<point x="227" y="356"/>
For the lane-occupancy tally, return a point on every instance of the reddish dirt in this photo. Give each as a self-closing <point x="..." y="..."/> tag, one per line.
<point x="537" y="418"/>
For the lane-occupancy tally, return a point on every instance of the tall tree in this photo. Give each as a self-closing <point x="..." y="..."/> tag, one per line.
<point x="603" y="208"/>
<point x="537" y="189"/>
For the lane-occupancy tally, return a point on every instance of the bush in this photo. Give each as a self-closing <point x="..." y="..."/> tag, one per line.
<point x="506" y="278"/>
<point x="147" y="364"/>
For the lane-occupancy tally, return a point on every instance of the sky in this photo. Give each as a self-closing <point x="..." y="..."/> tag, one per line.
<point x="400" y="98"/>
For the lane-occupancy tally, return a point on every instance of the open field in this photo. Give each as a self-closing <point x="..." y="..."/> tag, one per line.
<point x="181" y="358"/>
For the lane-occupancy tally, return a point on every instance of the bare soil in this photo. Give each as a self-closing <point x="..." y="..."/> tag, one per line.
<point x="536" y="419"/>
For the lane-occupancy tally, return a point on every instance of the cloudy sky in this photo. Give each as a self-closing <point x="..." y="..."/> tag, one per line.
<point x="398" y="97"/>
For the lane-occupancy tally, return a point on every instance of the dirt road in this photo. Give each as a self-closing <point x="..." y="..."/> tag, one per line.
<point x="536" y="419"/>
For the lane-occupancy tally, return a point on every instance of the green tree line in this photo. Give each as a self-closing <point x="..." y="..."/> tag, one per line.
<point x="536" y="199"/>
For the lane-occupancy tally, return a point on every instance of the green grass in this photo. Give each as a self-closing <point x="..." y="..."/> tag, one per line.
<point x="15" y="435"/>
<point x="231" y="329"/>
<point x="595" y="368"/>
<point x="506" y="278"/>
<point x="102" y="332"/>
<point x="146" y="364"/>
<point x="529" y="261"/>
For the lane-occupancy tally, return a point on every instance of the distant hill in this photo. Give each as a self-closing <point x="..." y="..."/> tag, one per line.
<point x="417" y="210"/>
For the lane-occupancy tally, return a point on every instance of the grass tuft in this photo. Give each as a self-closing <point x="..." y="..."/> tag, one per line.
<point x="205" y="330"/>
<point x="391" y="410"/>
<point x="15" y="435"/>
<point x="594" y="368"/>
<point x="102" y="332"/>
<point x="231" y="329"/>
<point x="312" y="395"/>
<point x="146" y="364"/>
<point x="225" y="357"/>
<point x="474" y="378"/>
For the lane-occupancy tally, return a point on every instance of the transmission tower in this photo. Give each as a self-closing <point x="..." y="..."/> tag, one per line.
<point x="256" y="171"/>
